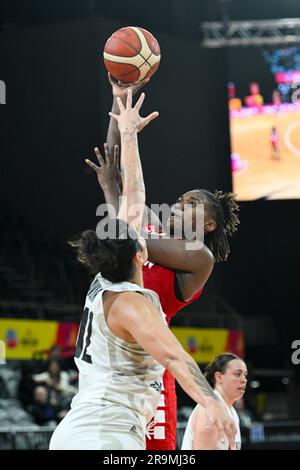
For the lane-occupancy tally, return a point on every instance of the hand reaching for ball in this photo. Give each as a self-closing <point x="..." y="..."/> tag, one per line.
<point x="120" y="89"/>
<point x="129" y="121"/>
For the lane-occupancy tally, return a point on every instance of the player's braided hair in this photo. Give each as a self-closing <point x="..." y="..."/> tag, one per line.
<point x="224" y="210"/>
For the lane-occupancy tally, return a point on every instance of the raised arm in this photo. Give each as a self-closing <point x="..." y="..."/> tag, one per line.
<point x="108" y="171"/>
<point x="133" y="192"/>
<point x="144" y="323"/>
<point x="119" y="90"/>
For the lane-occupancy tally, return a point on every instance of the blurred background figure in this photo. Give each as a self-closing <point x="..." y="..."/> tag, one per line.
<point x="57" y="383"/>
<point x="41" y="409"/>
<point x="274" y="140"/>
<point x="246" y="416"/>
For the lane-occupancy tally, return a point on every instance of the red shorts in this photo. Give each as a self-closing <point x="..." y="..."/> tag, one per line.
<point x="164" y="432"/>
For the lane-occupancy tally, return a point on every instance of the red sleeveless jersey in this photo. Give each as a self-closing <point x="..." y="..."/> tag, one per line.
<point x="161" y="280"/>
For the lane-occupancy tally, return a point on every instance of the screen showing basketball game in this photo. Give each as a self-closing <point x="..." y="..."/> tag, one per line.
<point x="264" y="109"/>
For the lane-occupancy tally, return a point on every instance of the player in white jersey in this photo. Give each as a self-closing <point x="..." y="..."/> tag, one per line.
<point x="124" y="344"/>
<point x="227" y="374"/>
<point x="119" y="383"/>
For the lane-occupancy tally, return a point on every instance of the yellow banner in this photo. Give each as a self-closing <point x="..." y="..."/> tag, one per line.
<point x="203" y="344"/>
<point x="30" y="339"/>
<point x="24" y="338"/>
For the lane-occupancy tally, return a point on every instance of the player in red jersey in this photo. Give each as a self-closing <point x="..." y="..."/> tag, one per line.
<point x="176" y="274"/>
<point x="274" y="141"/>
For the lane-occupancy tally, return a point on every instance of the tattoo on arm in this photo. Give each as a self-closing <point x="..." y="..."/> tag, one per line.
<point x="200" y="380"/>
<point x="133" y="174"/>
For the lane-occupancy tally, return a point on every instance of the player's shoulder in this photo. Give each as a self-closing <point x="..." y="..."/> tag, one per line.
<point x="130" y="299"/>
<point x="235" y="414"/>
<point x="128" y="306"/>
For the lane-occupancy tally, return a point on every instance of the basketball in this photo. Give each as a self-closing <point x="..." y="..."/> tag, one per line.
<point x="131" y="54"/>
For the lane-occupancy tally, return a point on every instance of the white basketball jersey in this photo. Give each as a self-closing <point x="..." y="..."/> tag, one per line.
<point x="111" y="370"/>
<point x="221" y="445"/>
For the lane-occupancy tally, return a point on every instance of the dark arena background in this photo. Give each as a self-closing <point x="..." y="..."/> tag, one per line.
<point x="55" y="99"/>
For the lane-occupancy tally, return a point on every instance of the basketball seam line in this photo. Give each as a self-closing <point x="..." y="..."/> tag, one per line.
<point x="134" y="49"/>
<point x="138" y="68"/>
<point x="130" y="45"/>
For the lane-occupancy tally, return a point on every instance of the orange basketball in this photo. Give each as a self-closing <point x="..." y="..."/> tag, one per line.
<point x="131" y="54"/>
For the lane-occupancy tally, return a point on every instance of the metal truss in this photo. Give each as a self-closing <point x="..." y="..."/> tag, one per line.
<point x="251" y="33"/>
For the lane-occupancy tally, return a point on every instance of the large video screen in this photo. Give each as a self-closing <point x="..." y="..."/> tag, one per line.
<point x="264" y="108"/>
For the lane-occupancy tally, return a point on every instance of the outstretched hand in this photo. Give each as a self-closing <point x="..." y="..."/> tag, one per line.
<point x="108" y="172"/>
<point x="129" y="120"/>
<point x="218" y="416"/>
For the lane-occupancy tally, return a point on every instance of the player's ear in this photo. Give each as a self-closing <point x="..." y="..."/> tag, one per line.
<point x="139" y="257"/>
<point x="218" y="378"/>
<point x="210" y="225"/>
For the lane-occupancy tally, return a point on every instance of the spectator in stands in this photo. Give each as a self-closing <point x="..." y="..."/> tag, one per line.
<point x="57" y="382"/>
<point x="42" y="411"/>
<point x="65" y="356"/>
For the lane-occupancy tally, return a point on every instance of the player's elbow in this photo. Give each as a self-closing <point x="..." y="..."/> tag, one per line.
<point x="171" y="362"/>
<point x="205" y="257"/>
<point x="200" y="260"/>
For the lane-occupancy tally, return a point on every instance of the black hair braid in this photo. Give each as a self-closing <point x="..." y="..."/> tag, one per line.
<point x="225" y="212"/>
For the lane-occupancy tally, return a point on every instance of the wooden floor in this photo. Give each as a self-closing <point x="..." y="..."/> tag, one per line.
<point x="266" y="177"/>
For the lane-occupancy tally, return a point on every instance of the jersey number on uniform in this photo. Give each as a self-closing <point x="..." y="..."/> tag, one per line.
<point x="85" y="330"/>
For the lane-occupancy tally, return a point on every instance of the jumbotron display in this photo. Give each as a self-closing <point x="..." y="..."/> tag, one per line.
<point x="264" y="107"/>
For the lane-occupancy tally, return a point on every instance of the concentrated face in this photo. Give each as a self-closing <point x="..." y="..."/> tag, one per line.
<point x="184" y="212"/>
<point x="233" y="382"/>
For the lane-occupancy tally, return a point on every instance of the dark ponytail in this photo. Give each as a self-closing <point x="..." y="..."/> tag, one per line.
<point x="219" y="364"/>
<point x="113" y="258"/>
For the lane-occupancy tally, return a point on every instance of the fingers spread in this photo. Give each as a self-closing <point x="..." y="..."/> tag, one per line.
<point x="92" y="165"/>
<point x="99" y="156"/>
<point x="140" y="102"/>
<point x="129" y="98"/>
<point x="116" y="116"/>
<point x="120" y="104"/>
<point x="116" y="155"/>
<point x="148" y="119"/>
<point x="107" y="153"/>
